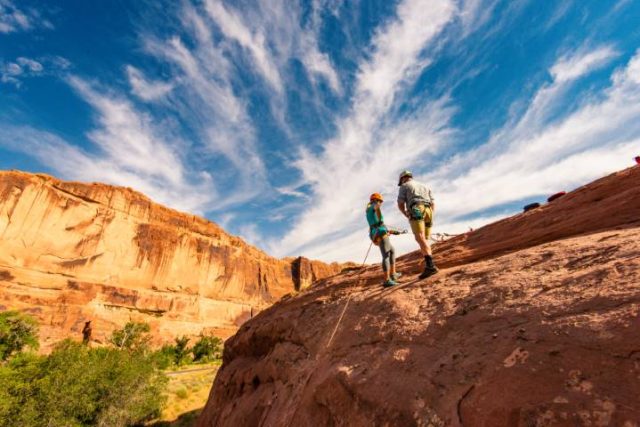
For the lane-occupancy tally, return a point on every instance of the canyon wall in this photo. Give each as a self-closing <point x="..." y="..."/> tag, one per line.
<point x="72" y="252"/>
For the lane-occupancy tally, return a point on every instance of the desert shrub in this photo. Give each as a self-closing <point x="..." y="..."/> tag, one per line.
<point x="207" y="348"/>
<point x="17" y="331"/>
<point x="165" y="357"/>
<point x="182" y="352"/>
<point x="182" y="393"/>
<point x="80" y="386"/>
<point x="134" y="336"/>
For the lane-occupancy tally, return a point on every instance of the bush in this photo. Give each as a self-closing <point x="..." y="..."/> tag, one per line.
<point x="207" y="348"/>
<point x="17" y="331"/>
<point x="80" y="386"/>
<point x="182" y="393"/>
<point x="182" y="352"/>
<point x="134" y="336"/>
<point x="165" y="357"/>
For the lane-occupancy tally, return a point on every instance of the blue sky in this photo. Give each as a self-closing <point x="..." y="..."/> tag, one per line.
<point x="277" y="119"/>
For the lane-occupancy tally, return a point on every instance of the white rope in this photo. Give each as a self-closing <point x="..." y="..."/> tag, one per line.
<point x="311" y="371"/>
<point x="348" y="300"/>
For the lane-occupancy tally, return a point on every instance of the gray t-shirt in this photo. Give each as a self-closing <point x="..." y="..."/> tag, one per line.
<point x="413" y="191"/>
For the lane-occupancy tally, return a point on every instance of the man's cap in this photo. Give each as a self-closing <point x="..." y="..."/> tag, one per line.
<point x="404" y="174"/>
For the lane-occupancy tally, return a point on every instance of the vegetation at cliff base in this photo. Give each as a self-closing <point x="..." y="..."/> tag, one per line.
<point x="76" y="385"/>
<point x="17" y="331"/>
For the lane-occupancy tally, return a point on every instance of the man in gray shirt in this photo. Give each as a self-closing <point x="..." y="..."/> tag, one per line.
<point x="415" y="201"/>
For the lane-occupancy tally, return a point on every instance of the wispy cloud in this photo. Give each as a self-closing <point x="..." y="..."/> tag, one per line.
<point x="209" y="56"/>
<point x="144" y="88"/>
<point x="129" y="149"/>
<point x="204" y="97"/>
<point x="14" y="19"/>
<point x="16" y="71"/>
<point x="475" y="13"/>
<point x="576" y="65"/>
<point x="234" y="29"/>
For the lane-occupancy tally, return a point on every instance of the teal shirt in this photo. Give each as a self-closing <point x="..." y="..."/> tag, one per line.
<point x="376" y="222"/>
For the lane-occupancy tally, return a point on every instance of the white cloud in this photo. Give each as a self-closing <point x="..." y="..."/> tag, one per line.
<point x="128" y="136"/>
<point x="250" y="234"/>
<point x="475" y="13"/>
<point x="130" y="149"/>
<point x="575" y="65"/>
<point x="204" y="82"/>
<point x="14" y="72"/>
<point x="272" y="33"/>
<point x="203" y="96"/>
<point x="72" y="162"/>
<point x="145" y="89"/>
<point x="14" y="19"/>
<point x="30" y="64"/>
<point x="234" y="28"/>
<point x="562" y="9"/>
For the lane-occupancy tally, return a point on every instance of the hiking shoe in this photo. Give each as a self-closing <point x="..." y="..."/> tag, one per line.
<point x="389" y="283"/>
<point x="428" y="272"/>
<point x="396" y="276"/>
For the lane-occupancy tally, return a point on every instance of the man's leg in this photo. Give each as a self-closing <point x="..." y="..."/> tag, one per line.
<point x="429" y="266"/>
<point x="418" y="229"/>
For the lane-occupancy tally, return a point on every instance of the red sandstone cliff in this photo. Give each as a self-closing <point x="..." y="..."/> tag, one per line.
<point x="533" y="321"/>
<point x="71" y="252"/>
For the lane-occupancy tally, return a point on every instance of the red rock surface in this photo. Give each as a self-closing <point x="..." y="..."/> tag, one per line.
<point x="533" y="321"/>
<point x="71" y="252"/>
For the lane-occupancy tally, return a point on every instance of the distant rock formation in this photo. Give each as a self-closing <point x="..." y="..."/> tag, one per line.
<point x="533" y="321"/>
<point x="73" y="252"/>
<point x="305" y="271"/>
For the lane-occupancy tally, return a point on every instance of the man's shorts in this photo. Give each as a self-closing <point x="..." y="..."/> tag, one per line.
<point x="423" y="226"/>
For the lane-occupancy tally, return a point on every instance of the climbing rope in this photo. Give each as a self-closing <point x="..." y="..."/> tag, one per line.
<point x="348" y="299"/>
<point x="311" y="372"/>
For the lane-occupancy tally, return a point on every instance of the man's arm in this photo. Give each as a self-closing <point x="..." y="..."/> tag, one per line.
<point x="402" y="199"/>
<point x="401" y="206"/>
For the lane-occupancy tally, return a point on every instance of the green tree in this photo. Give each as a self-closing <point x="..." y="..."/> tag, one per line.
<point x="80" y="386"/>
<point x="207" y="348"/>
<point x="17" y="331"/>
<point x="165" y="357"/>
<point x="134" y="336"/>
<point x="182" y="352"/>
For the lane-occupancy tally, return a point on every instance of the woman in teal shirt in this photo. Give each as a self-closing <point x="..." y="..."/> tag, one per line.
<point x="379" y="235"/>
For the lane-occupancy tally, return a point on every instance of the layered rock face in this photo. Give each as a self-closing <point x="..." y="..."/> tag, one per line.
<point x="72" y="252"/>
<point x="532" y="321"/>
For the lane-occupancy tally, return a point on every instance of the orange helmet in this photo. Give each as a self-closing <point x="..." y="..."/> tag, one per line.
<point x="376" y="196"/>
